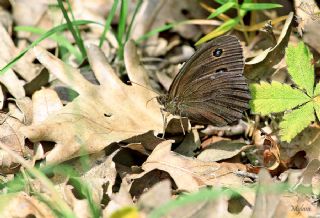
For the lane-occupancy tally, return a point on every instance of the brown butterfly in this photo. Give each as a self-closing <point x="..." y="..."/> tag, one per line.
<point x="210" y="88"/>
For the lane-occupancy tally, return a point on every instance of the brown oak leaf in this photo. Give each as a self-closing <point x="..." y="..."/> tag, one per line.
<point x="101" y="114"/>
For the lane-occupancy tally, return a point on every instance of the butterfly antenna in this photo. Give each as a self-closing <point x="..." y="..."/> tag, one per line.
<point x="130" y="82"/>
<point x="150" y="100"/>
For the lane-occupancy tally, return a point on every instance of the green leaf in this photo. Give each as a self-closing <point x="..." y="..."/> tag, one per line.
<point x="62" y="40"/>
<point x="294" y="122"/>
<point x="219" y="31"/>
<point x="275" y="97"/>
<point x="224" y="1"/>
<point x="73" y="29"/>
<point x="300" y="67"/>
<point x="223" y="8"/>
<point x="259" y="6"/>
<point x="156" y="31"/>
<point x="316" y="100"/>
<point x="317" y="90"/>
<point x="108" y="22"/>
<point x="126" y="212"/>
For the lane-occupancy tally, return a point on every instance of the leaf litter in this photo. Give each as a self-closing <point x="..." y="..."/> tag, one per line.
<point x="98" y="142"/>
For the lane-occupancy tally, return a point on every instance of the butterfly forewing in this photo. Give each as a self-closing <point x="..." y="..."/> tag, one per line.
<point x="211" y="88"/>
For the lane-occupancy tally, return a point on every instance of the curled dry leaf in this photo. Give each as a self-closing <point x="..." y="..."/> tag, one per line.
<point x="10" y="136"/>
<point x="189" y="173"/>
<point x="101" y="114"/>
<point x="21" y="110"/>
<point x="262" y="65"/>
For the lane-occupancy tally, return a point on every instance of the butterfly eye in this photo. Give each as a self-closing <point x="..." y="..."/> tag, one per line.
<point x="217" y="52"/>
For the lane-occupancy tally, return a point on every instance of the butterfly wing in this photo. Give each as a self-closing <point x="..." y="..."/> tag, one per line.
<point x="211" y="88"/>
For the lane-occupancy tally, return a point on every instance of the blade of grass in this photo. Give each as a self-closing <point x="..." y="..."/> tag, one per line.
<point x="259" y="6"/>
<point x="139" y="3"/>
<point x="41" y="38"/>
<point x="222" y="9"/>
<point x="122" y="27"/>
<point x="219" y="31"/>
<point x="75" y="35"/>
<point x="252" y="28"/>
<point x="108" y="22"/>
<point x="57" y="38"/>
<point x="122" y="20"/>
<point x="156" y="31"/>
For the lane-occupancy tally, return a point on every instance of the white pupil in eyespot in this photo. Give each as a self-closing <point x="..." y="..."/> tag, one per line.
<point x="217" y="52"/>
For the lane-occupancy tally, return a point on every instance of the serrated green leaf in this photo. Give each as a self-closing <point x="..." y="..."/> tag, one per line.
<point x="300" y="67"/>
<point x="223" y="8"/>
<point x="259" y="6"/>
<point x="294" y="122"/>
<point x="275" y="97"/>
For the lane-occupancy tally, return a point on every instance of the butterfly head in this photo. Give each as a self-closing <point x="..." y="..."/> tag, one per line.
<point x="169" y="105"/>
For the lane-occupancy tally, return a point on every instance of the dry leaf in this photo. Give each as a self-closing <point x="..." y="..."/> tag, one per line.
<point x="45" y="102"/>
<point x="221" y="150"/>
<point x="262" y="65"/>
<point x="101" y="175"/>
<point x="268" y="202"/>
<point x="154" y="14"/>
<point x="118" y="200"/>
<point x="101" y="114"/>
<point x="190" y="143"/>
<point x="307" y="174"/>
<point x="22" y="205"/>
<point x="205" y="207"/>
<point x="81" y="207"/>
<point x="11" y="136"/>
<point x="156" y="196"/>
<point x="189" y="173"/>
<point x="24" y="67"/>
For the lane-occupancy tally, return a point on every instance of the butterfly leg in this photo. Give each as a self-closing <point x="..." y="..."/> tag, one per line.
<point x="182" y="125"/>
<point x="164" y="118"/>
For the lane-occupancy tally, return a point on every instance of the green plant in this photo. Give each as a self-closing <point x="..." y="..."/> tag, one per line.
<point x="299" y="103"/>
<point x="73" y="29"/>
<point x="47" y="34"/>
<point x="242" y="9"/>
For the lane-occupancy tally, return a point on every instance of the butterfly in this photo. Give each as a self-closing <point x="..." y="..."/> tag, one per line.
<point x="210" y="88"/>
